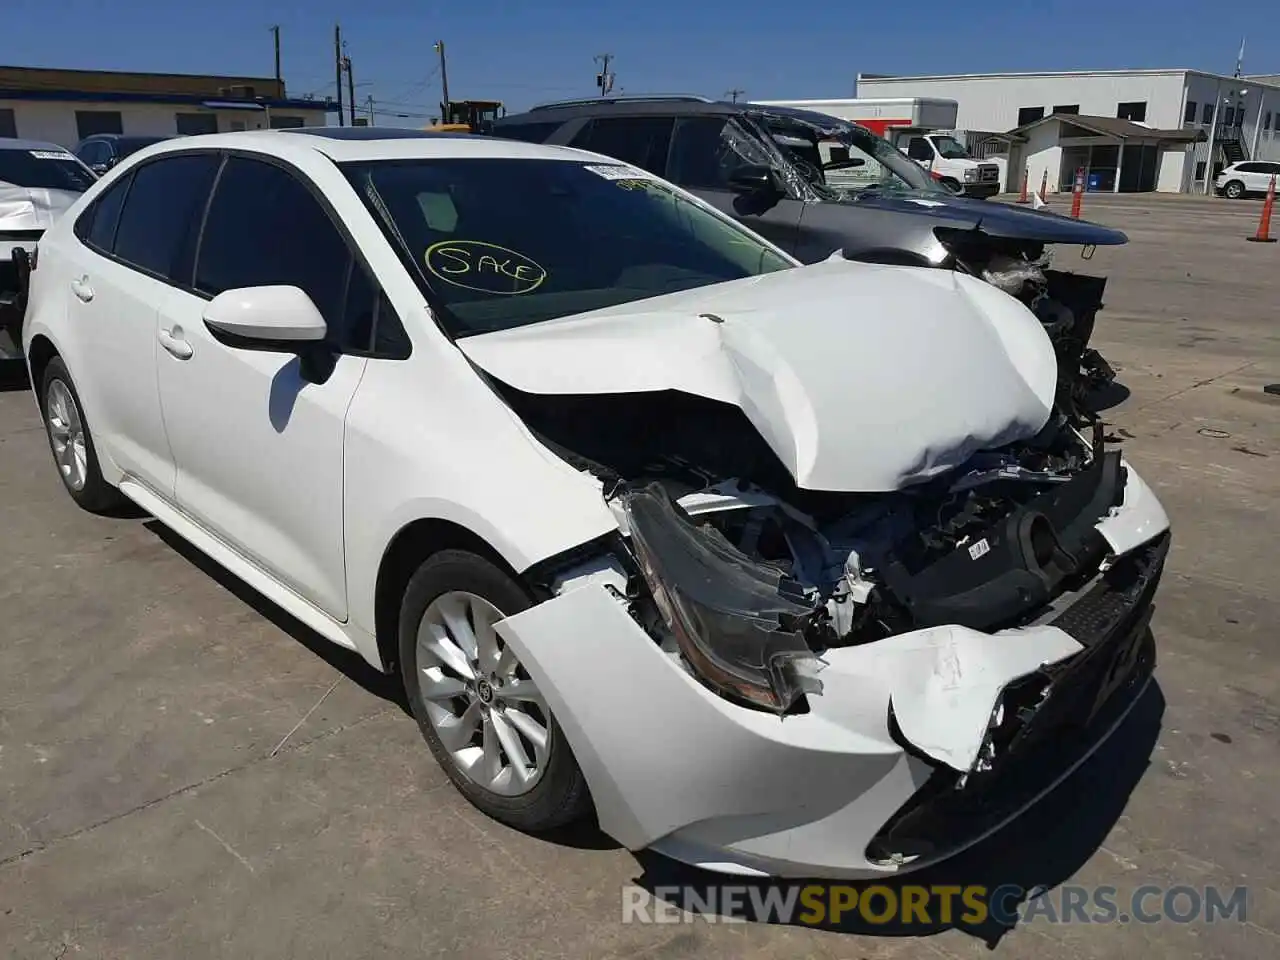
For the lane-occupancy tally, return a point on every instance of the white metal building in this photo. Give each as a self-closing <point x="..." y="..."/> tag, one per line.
<point x="1238" y="115"/>
<point x="64" y="106"/>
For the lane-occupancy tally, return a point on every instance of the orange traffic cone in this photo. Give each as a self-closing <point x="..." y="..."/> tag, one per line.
<point x="1077" y="193"/>
<point x="1044" y="187"/>
<point x="1264" y="223"/>
<point x="1026" y="176"/>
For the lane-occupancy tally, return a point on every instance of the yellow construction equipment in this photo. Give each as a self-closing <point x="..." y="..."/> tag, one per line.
<point x="468" y="116"/>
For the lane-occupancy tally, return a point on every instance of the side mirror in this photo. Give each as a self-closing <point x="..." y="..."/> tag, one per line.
<point x="265" y="318"/>
<point x="754" y="179"/>
<point x="274" y="319"/>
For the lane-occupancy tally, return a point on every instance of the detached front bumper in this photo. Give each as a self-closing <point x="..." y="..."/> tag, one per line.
<point x="910" y="740"/>
<point x="980" y="191"/>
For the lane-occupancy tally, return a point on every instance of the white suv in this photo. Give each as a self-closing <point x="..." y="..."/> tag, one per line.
<point x="1246" y="178"/>
<point x="781" y="567"/>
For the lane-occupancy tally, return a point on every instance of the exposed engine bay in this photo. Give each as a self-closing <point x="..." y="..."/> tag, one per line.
<point x="1067" y="305"/>
<point x="751" y="578"/>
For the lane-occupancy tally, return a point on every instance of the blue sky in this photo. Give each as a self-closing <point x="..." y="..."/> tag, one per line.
<point x="523" y="53"/>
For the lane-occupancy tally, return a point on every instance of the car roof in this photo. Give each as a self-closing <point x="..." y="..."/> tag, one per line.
<point x="371" y="143"/>
<point x="679" y="105"/>
<point x="15" y="143"/>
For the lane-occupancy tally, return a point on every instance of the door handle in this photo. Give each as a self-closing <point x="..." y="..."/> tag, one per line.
<point x="174" y="343"/>
<point x="81" y="289"/>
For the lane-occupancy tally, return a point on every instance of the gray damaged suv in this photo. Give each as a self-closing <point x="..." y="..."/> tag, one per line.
<point x="815" y="185"/>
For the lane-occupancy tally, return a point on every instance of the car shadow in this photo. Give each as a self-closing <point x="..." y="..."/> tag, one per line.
<point x="355" y="667"/>
<point x="13" y="376"/>
<point x="1038" y="851"/>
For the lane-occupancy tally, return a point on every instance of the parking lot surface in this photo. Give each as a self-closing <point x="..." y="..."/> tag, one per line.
<point x="186" y="772"/>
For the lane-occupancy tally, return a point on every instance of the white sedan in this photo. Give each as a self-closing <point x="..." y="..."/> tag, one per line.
<point x="786" y="570"/>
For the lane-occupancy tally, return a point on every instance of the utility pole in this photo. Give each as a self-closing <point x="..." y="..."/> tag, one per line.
<point x="275" y="31"/>
<point x="734" y="94"/>
<point x="351" y="89"/>
<point x="444" y="84"/>
<point x="604" y="79"/>
<point x="337" y="63"/>
<point x="369" y="104"/>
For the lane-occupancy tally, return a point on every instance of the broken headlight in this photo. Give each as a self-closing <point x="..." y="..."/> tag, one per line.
<point x="735" y="620"/>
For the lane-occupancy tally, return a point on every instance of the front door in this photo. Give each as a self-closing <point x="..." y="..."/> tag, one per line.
<point x="705" y="152"/>
<point x="258" y="446"/>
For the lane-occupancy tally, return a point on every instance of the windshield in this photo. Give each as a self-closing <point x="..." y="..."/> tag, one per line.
<point x="46" y="169"/>
<point x="502" y="242"/>
<point x="949" y="148"/>
<point x="841" y="159"/>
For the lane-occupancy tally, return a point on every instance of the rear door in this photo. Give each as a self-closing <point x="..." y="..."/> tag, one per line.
<point x="133" y="241"/>
<point x="705" y="152"/>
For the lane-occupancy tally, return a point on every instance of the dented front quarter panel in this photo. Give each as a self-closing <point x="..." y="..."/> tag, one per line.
<point x="671" y="764"/>
<point x="674" y="767"/>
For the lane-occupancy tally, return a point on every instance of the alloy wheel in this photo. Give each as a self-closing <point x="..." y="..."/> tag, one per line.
<point x="66" y="433"/>
<point x="487" y="712"/>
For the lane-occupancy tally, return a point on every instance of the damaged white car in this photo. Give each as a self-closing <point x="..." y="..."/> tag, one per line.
<point x="786" y="570"/>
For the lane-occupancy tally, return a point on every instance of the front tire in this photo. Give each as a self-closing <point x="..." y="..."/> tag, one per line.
<point x="1234" y="190"/>
<point x="71" y="442"/>
<point x="481" y="714"/>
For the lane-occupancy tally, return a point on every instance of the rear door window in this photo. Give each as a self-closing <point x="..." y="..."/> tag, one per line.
<point x="161" y="214"/>
<point x="640" y="141"/>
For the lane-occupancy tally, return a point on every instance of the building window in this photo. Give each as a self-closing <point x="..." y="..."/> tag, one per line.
<point x="1200" y="165"/>
<point x="1029" y="115"/>
<point x="89" y="122"/>
<point x="193" y="124"/>
<point x="8" y="125"/>
<point x="1135" y="111"/>
<point x="1266" y="121"/>
<point x="1229" y="117"/>
<point x="1189" y="115"/>
<point x="285" y="122"/>
<point x="1070" y="109"/>
<point x="1207" y="116"/>
<point x="1239" y="114"/>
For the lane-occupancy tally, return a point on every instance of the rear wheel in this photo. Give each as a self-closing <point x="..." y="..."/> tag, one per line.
<point x="482" y="715"/>
<point x="72" y="443"/>
<point x="1234" y="190"/>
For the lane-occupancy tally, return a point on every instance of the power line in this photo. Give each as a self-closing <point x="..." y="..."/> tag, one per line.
<point x="734" y="94"/>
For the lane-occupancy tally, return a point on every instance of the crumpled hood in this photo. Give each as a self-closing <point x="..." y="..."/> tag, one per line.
<point x="32" y="208"/>
<point x="994" y="219"/>
<point x="860" y="377"/>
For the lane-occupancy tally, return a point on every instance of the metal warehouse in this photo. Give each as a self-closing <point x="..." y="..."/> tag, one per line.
<point x="1132" y="130"/>
<point x="64" y="106"/>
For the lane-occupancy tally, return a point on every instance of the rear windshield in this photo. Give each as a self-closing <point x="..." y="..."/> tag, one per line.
<point x="50" y="169"/>
<point x="508" y="242"/>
